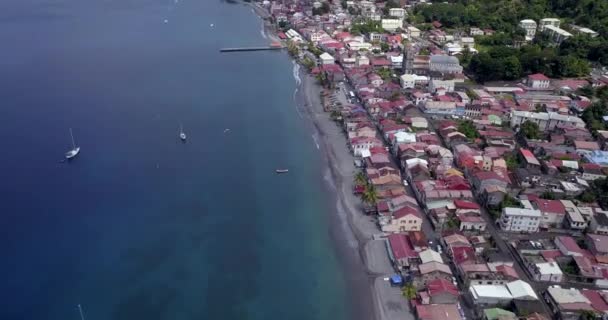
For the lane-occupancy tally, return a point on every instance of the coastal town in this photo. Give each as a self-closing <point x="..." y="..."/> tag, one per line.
<point x="484" y="175"/>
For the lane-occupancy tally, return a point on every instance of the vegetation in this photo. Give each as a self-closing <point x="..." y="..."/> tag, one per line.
<point x="530" y="130"/>
<point x="512" y="161"/>
<point x="314" y="50"/>
<point x="365" y="27"/>
<point x="598" y="191"/>
<point x="322" y="10"/>
<point x="409" y="291"/>
<point x="384" y="47"/>
<point x="389" y="5"/>
<point x="593" y="115"/>
<point x="547" y="195"/>
<point x="509" y="202"/>
<point x="360" y="178"/>
<point x="468" y="129"/>
<point x="588" y="315"/>
<point x="369" y="195"/>
<point x="308" y="63"/>
<point x="293" y="49"/>
<point x="384" y="73"/>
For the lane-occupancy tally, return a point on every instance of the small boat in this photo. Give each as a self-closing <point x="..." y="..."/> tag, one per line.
<point x="182" y="135"/>
<point x="282" y="170"/>
<point x="80" y="311"/>
<point x="74" y="151"/>
<point x="226" y="130"/>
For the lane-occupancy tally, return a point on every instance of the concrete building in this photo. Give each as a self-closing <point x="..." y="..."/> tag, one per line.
<point x="583" y="30"/>
<point x="396" y="12"/>
<point x="436" y="84"/>
<point x="327" y="58"/>
<point x="391" y="24"/>
<point x="413" y="32"/>
<point x="538" y="81"/>
<point x="567" y="303"/>
<point x="545" y="120"/>
<point x="548" y="22"/>
<point x="520" y="220"/>
<point x="490" y="295"/>
<point x="445" y="64"/>
<point x="409" y="81"/>
<point x="547" y="271"/>
<point x="439" y="107"/>
<point x="530" y="26"/>
<point x="557" y="34"/>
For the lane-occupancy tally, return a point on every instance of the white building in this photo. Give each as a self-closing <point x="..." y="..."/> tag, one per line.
<point x="548" y="22"/>
<point x="396" y="61"/>
<point x="396" y="12"/>
<point x="447" y="85"/>
<point x="475" y="32"/>
<point x="327" y="58"/>
<point x="557" y="34"/>
<point x="362" y="60"/>
<point x="547" y="271"/>
<point x="530" y="26"/>
<point x="545" y="120"/>
<point x="444" y="64"/>
<point x="583" y="30"/>
<point x="409" y="81"/>
<point x="490" y="294"/>
<point x="538" y="81"/>
<point x="413" y="32"/>
<point x="520" y="220"/>
<point x="357" y="45"/>
<point x="439" y="107"/>
<point x="391" y="24"/>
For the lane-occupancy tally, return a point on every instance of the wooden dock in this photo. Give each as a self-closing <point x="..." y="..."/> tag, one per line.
<point x="251" y="49"/>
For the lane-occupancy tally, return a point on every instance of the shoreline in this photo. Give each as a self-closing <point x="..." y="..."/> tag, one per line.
<point x="352" y="232"/>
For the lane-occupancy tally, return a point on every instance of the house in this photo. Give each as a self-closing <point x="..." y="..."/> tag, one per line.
<point x="586" y="147"/>
<point x="592" y="171"/>
<point x="520" y="220"/>
<point x="327" y="58"/>
<point x="552" y="211"/>
<point x="529" y="160"/>
<point x="430" y="256"/>
<point x="597" y="244"/>
<point x="498" y="314"/>
<point x="409" y="81"/>
<point x="599" y="223"/>
<point x="574" y="217"/>
<point x="442" y="291"/>
<point x="440" y="107"/>
<point x="434" y="270"/>
<point x="401" y="252"/>
<point x="396" y="12"/>
<point x="567" y="304"/>
<point x="437" y="84"/>
<point x="391" y="24"/>
<point x="445" y="64"/>
<point x="487" y="273"/>
<point x="538" y="81"/>
<point x="437" y="312"/>
<point x="545" y="120"/>
<point x="490" y="295"/>
<point x="359" y="145"/>
<point x="546" y="271"/>
<point x="471" y="222"/>
<point x="489" y="186"/>
<point x="403" y="220"/>
<point x="568" y="246"/>
<point x="529" y="26"/>
<point x="413" y="32"/>
<point x="475" y="32"/>
<point x="521" y="290"/>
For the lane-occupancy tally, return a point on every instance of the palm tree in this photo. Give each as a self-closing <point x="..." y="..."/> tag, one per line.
<point x="409" y="291"/>
<point x="588" y="315"/>
<point x="360" y="178"/>
<point x="370" y="196"/>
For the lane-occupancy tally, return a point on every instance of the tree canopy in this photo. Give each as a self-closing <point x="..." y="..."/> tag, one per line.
<point x="530" y="130"/>
<point x="468" y="129"/>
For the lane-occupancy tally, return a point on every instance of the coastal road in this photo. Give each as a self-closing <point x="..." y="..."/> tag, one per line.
<point x="392" y="304"/>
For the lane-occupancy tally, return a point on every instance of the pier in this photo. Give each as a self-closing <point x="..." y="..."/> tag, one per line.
<point x="251" y="49"/>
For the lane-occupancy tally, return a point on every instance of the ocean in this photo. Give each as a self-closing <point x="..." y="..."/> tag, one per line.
<point x="140" y="225"/>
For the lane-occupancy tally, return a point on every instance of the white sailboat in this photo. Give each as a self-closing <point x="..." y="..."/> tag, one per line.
<point x="75" y="150"/>
<point x="182" y="135"/>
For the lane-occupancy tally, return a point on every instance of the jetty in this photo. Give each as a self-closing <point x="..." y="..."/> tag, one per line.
<point x="272" y="46"/>
<point x="249" y="49"/>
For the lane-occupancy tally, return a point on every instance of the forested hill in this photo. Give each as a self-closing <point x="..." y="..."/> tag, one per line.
<point x="504" y="15"/>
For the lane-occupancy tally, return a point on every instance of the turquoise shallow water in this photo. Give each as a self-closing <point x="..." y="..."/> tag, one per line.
<point x="141" y="226"/>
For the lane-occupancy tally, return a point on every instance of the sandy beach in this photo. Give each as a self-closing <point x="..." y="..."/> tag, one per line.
<point x="365" y="260"/>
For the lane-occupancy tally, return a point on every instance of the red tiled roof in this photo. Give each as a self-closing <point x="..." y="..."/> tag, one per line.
<point x="439" y="286"/>
<point x="570" y="244"/>
<point x="538" y="76"/>
<point x="401" y="246"/>
<point x="462" y="204"/>
<point x="462" y="254"/>
<point x="507" y="271"/>
<point x="597" y="302"/>
<point x="553" y="206"/>
<point x="550" y="254"/>
<point x="405" y="211"/>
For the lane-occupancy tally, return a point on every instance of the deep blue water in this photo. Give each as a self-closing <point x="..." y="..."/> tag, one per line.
<point x="141" y="226"/>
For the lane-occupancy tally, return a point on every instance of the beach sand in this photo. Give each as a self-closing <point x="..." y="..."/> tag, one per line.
<point x="365" y="260"/>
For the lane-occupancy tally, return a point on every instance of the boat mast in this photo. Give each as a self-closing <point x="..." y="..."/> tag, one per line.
<point x="73" y="144"/>
<point x="80" y="309"/>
